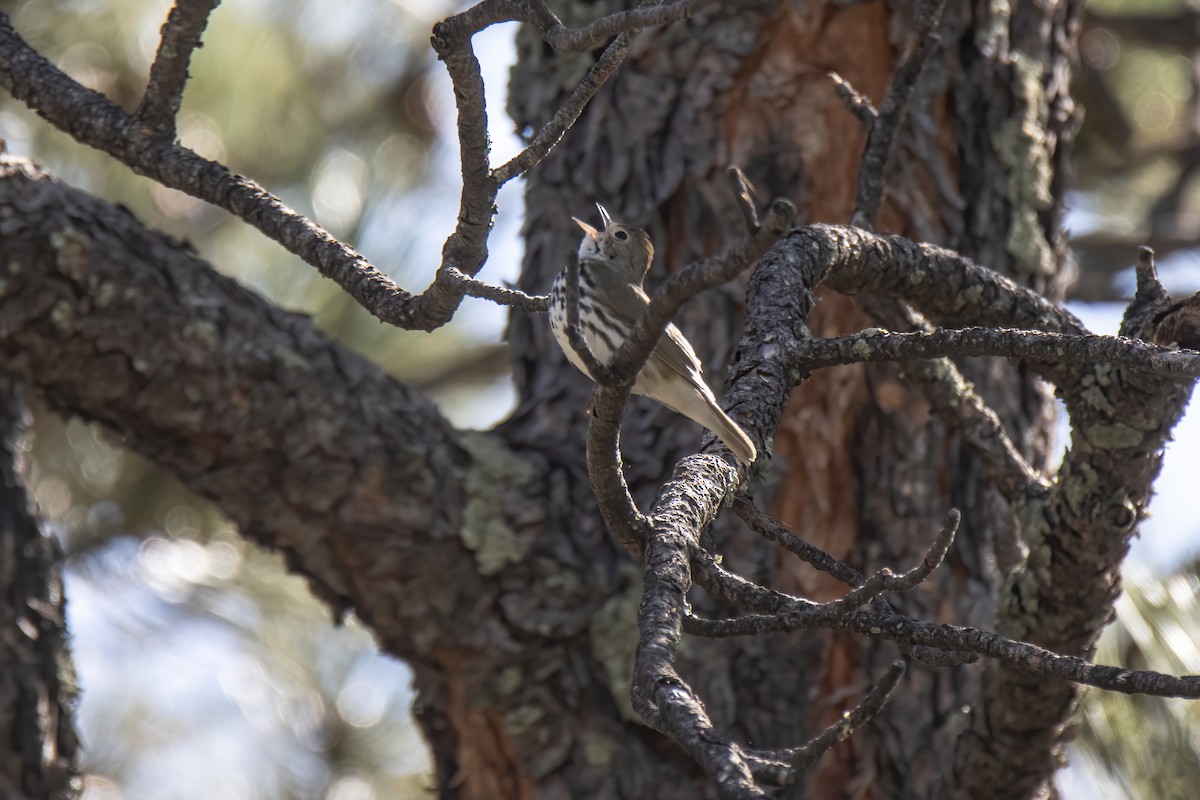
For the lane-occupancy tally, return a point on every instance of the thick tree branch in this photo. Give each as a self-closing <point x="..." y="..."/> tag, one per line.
<point x="307" y="447"/>
<point x="1063" y="594"/>
<point x="941" y="284"/>
<point x="660" y="696"/>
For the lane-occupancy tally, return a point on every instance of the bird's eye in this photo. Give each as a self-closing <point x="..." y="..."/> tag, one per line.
<point x="622" y="235"/>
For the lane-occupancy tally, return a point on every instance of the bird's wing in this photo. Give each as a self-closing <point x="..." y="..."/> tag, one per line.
<point x="629" y="302"/>
<point x="677" y="351"/>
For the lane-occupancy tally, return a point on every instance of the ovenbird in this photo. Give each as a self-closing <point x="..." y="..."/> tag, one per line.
<point x="612" y="265"/>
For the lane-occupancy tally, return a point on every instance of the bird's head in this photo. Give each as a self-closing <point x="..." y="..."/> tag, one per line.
<point x="623" y="246"/>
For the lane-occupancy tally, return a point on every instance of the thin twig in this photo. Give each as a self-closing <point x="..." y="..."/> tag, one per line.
<point x="741" y="593"/>
<point x="775" y="531"/>
<point x="864" y="590"/>
<point x="855" y="102"/>
<point x="885" y="581"/>
<point x="180" y="36"/>
<point x="743" y="192"/>
<point x="553" y="131"/>
<point x="1041" y="346"/>
<point x="956" y="401"/>
<point x="566" y="40"/>
<point x="872" y="169"/>
<point x="501" y="295"/>
<point x="870" y="706"/>
<point x="783" y="767"/>
<point x="774" y="617"/>
<point x="772" y="529"/>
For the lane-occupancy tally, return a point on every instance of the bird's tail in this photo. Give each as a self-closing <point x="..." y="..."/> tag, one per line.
<point x="730" y="433"/>
<point x="696" y="402"/>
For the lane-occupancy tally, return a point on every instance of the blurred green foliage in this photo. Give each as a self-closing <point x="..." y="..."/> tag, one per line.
<point x="1140" y="140"/>
<point x="1148" y="746"/>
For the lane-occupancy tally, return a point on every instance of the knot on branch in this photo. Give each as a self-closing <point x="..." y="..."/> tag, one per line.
<point x="442" y="37"/>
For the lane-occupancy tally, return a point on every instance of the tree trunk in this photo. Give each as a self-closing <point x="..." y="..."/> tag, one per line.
<point x="864" y="471"/>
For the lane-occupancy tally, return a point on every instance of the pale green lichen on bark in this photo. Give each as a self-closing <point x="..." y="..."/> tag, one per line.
<point x="599" y="750"/>
<point x="290" y="358"/>
<point x="992" y="33"/>
<point x="1115" y="436"/>
<point x="1079" y="488"/>
<point x="493" y="472"/>
<point x="72" y="248"/>
<point x="1095" y="381"/>
<point x="104" y="294"/>
<point x="525" y="720"/>
<point x="509" y="681"/>
<point x="565" y="582"/>
<point x="860" y="349"/>
<point x="1017" y="596"/>
<point x="1104" y="374"/>
<point x="1023" y="147"/>
<point x="940" y="368"/>
<point x="614" y="637"/>
<point x="61" y="315"/>
<point x="204" y="330"/>
<point x="972" y="295"/>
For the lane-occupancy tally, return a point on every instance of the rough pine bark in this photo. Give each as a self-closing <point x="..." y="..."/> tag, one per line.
<point x="864" y="470"/>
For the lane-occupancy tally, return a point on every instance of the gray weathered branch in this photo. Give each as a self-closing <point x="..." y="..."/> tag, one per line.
<point x="169" y="72"/>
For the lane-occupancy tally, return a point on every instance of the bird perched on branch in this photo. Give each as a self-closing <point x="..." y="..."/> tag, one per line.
<point x="612" y="265"/>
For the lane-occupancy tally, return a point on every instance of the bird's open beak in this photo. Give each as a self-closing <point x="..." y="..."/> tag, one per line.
<point x="588" y="229"/>
<point x="604" y="217"/>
